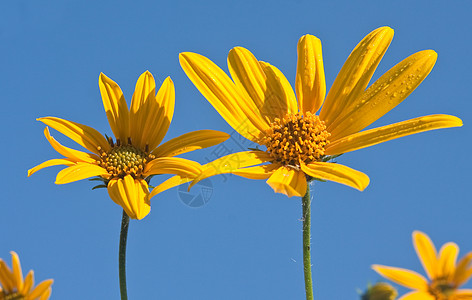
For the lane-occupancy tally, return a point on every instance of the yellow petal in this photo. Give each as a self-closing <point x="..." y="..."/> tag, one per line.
<point x="41" y="289"/>
<point x="115" y="107"/>
<point x="281" y="96"/>
<point x="384" y="94"/>
<point x="46" y="294"/>
<point x="462" y="294"/>
<point x="84" y="135"/>
<point x="160" y="114"/>
<point x="337" y="173"/>
<point x="232" y="162"/>
<point x="248" y="74"/>
<point x="240" y="112"/>
<point x="403" y="277"/>
<point x="355" y="74"/>
<point x="463" y="270"/>
<point x="49" y="163"/>
<point x="68" y="152"/>
<point x="190" y="141"/>
<point x="132" y="195"/>
<point x="382" y="134"/>
<point x="447" y="260"/>
<point x="288" y="181"/>
<point x="79" y="171"/>
<point x="29" y="283"/>
<point x="168" y="184"/>
<point x="17" y="273"/>
<point x="310" y="82"/>
<point x="258" y="172"/>
<point x="415" y="295"/>
<point x="426" y="253"/>
<point x="6" y="277"/>
<point x="141" y="104"/>
<point x="172" y="165"/>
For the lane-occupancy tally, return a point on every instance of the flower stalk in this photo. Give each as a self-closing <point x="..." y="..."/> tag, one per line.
<point x="306" y="216"/>
<point x="122" y="256"/>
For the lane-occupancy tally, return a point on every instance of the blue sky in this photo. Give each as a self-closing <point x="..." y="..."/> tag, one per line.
<point x="245" y="242"/>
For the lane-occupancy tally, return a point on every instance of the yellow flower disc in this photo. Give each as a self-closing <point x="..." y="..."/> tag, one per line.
<point x="441" y="288"/>
<point x="124" y="160"/>
<point x="11" y="296"/>
<point x="296" y="138"/>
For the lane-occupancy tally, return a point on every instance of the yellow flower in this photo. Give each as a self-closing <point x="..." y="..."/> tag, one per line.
<point x="445" y="276"/>
<point x="380" y="291"/>
<point x="125" y="164"/>
<point x="260" y="104"/>
<point x="14" y="287"/>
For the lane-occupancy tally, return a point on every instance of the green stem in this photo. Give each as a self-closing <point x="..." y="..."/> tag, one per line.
<point x="122" y="256"/>
<point x="306" y="211"/>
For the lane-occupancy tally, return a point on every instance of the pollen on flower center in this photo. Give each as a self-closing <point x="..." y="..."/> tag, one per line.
<point x="441" y="288"/>
<point x="296" y="138"/>
<point x="11" y="296"/>
<point x="124" y="160"/>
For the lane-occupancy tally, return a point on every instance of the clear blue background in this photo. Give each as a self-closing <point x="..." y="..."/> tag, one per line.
<point x="245" y="243"/>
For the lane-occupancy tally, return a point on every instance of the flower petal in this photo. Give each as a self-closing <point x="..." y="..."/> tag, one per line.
<point x="288" y="181"/>
<point x="417" y="295"/>
<point x="248" y="74"/>
<point x="159" y="115"/>
<point x="46" y="294"/>
<point x="190" y="141"/>
<point x="337" y="173"/>
<point x="17" y="273"/>
<point x="72" y="154"/>
<point x="172" y="165"/>
<point x="131" y="194"/>
<point x="79" y="171"/>
<point x="115" y="107"/>
<point x="282" y="95"/>
<point x="232" y="162"/>
<point x="168" y="184"/>
<point x="84" y="135"/>
<point x="41" y="289"/>
<point x="463" y="270"/>
<point x="141" y="103"/>
<point x="382" y="134"/>
<point x="49" y="163"/>
<point x="310" y="82"/>
<point x="426" y="253"/>
<point x="28" y="284"/>
<point x="6" y="277"/>
<point x="258" y="172"/>
<point x="384" y="94"/>
<point x="240" y="112"/>
<point x="355" y="74"/>
<point x="447" y="260"/>
<point x="404" y="277"/>
<point x="462" y="294"/>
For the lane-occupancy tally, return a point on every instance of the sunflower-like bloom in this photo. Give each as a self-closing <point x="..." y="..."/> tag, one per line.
<point x="445" y="276"/>
<point x="260" y="104"/>
<point x="124" y="164"/>
<point x="14" y="287"/>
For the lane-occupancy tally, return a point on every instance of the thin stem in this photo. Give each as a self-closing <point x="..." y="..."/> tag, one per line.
<point x="122" y="256"/>
<point x="306" y="211"/>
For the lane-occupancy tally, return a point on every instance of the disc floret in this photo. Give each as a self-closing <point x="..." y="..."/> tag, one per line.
<point x="11" y="296"/>
<point x="441" y="288"/>
<point x="124" y="160"/>
<point x="296" y="138"/>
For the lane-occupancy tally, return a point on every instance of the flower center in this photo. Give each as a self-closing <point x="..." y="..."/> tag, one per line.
<point x="124" y="160"/>
<point x="441" y="289"/>
<point x="11" y="296"/>
<point x="296" y="138"/>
